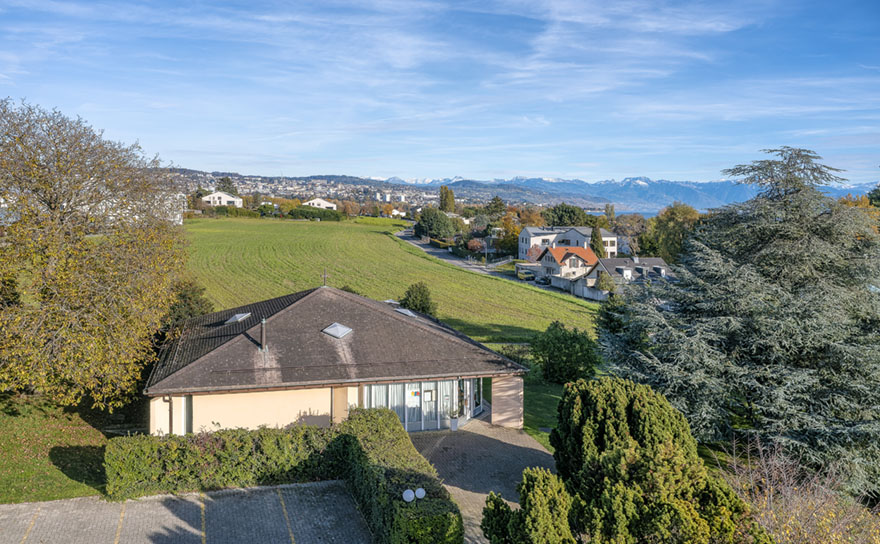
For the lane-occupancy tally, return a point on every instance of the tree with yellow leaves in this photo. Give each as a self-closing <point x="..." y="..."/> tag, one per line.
<point x="91" y="253"/>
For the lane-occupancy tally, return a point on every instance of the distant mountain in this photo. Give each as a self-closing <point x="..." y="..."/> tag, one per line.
<point x="630" y="194"/>
<point x="633" y="194"/>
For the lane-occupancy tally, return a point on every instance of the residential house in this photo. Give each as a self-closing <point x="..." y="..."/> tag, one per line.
<point x="566" y="262"/>
<point x="219" y="198"/>
<point x="464" y="220"/>
<point x="543" y="237"/>
<point x="622" y="271"/>
<point x="309" y="356"/>
<point x="320" y="203"/>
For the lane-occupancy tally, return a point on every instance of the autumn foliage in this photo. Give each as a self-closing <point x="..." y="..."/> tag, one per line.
<point x="91" y="252"/>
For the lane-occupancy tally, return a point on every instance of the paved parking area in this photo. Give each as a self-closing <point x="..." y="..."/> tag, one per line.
<point x="320" y="512"/>
<point x="479" y="458"/>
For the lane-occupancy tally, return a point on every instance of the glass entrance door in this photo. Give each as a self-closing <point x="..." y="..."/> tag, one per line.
<point x="413" y="407"/>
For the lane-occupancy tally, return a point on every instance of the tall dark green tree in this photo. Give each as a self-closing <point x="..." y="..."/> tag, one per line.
<point x="773" y="324"/>
<point x="447" y="199"/>
<point x="874" y="196"/>
<point x="496" y="207"/>
<point x="565" y="215"/>
<point x="596" y="243"/>
<point x="226" y="185"/>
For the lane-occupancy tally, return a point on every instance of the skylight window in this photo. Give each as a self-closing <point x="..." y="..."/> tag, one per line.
<point x="238" y="317"/>
<point x="337" y="330"/>
<point x="404" y="311"/>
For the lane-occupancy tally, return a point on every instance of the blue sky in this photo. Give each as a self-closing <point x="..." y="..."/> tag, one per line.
<point x="593" y="90"/>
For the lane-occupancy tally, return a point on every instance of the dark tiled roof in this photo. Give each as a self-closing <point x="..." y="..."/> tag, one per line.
<point x="202" y="335"/>
<point x="642" y="270"/>
<point x="385" y="345"/>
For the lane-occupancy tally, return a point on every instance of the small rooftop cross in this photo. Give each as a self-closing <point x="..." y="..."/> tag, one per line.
<point x="325" y="276"/>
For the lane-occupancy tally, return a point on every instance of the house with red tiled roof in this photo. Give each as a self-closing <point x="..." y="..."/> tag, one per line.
<point x="566" y="262"/>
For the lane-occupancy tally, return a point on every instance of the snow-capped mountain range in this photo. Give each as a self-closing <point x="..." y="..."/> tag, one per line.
<point x="634" y="193"/>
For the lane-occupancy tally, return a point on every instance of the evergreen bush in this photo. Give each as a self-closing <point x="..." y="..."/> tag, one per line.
<point x="630" y="461"/>
<point x="542" y="517"/>
<point x="418" y="298"/>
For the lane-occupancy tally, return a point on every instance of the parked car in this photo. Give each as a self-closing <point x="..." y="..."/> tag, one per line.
<point x="543" y="281"/>
<point x="526" y="275"/>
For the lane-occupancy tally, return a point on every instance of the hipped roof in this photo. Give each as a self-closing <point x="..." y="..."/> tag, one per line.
<point x="384" y="345"/>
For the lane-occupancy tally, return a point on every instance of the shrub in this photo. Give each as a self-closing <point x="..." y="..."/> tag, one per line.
<point x="630" y="461"/>
<point x="370" y="450"/>
<point x="542" y="517"/>
<point x="565" y="354"/>
<point x="418" y="298"/>
<point x="797" y="506"/>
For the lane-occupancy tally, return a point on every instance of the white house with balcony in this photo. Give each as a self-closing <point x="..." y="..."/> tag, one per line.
<point x="544" y="237"/>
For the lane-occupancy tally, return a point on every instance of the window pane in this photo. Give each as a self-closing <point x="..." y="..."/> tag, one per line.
<point x="396" y="399"/>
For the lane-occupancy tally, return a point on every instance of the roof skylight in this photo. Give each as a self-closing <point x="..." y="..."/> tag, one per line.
<point x="404" y="311"/>
<point x="337" y="330"/>
<point x="237" y="317"/>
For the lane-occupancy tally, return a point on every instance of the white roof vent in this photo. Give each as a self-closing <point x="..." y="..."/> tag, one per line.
<point x="237" y="317"/>
<point x="406" y="312"/>
<point x="337" y="330"/>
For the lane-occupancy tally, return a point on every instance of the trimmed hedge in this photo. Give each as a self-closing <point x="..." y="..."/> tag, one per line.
<point x="308" y="212"/>
<point x="370" y="450"/>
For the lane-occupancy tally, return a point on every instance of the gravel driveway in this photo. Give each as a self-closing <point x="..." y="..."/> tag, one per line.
<point x="320" y="512"/>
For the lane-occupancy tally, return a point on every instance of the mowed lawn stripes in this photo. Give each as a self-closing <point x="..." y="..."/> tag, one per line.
<point x="241" y="261"/>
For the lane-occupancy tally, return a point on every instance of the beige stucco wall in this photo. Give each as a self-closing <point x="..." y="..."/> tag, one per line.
<point x="507" y="401"/>
<point x="270" y="408"/>
<point x="248" y="410"/>
<point x="159" y="413"/>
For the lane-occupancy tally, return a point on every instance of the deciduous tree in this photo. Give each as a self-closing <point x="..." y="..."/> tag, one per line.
<point x="565" y="215"/>
<point x="92" y="251"/>
<point x="667" y="231"/>
<point x="565" y="354"/>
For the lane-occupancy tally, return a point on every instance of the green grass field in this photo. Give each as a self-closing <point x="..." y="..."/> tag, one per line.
<point x="47" y="452"/>
<point x="244" y="260"/>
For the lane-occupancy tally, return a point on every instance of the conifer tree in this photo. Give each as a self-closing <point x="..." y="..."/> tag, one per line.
<point x="773" y="323"/>
<point x="596" y="243"/>
<point x="631" y="464"/>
